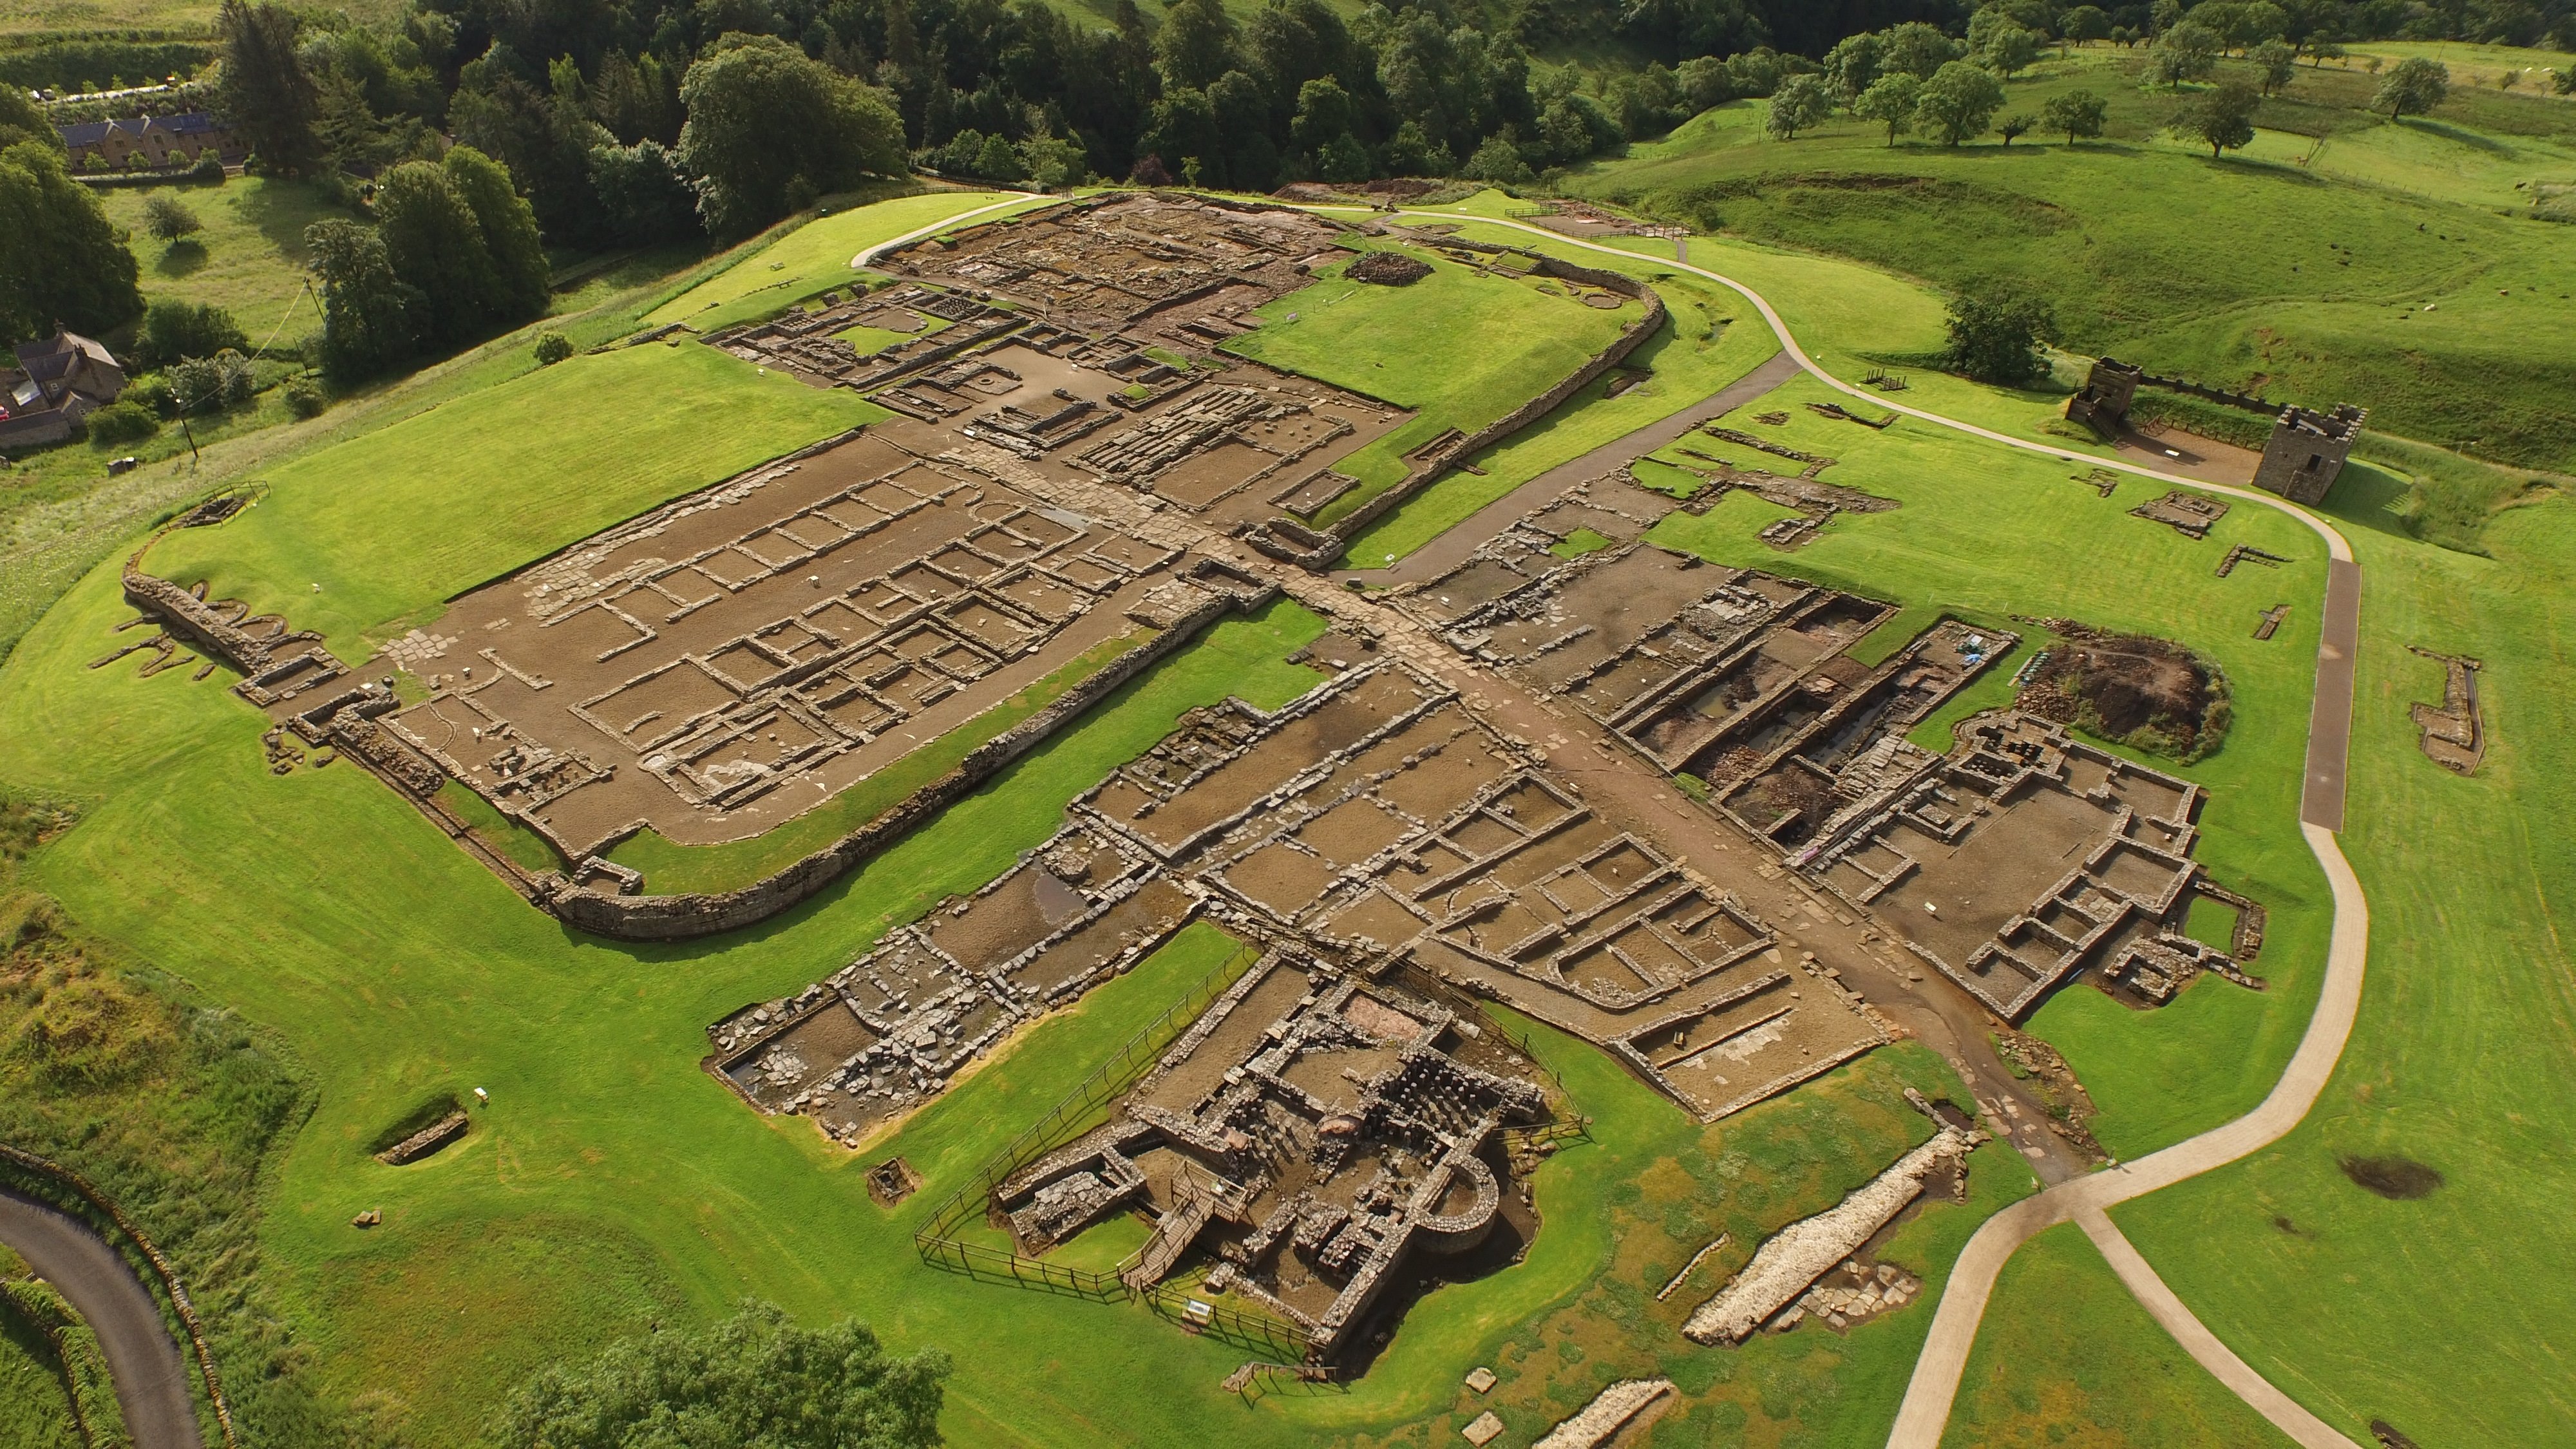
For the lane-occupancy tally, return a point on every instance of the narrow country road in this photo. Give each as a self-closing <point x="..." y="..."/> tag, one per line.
<point x="1925" y="1412"/>
<point x="151" y="1381"/>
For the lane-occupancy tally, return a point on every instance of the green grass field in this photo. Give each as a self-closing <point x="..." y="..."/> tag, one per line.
<point x="611" y="1183"/>
<point x="1700" y="350"/>
<point x="2136" y="241"/>
<point x="249" y="260"/>
<point x="392" y="524"/>
<point x="2076" y="1360"/>
<point x="763" y="278"/>
<point x="1460" y="348"/>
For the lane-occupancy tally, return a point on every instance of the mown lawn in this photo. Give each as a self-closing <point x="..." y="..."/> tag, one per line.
<point x="1460" y="348"/>
<point x="2139" y="242"/>
<point x="1712" y="339"/>
<point x="811" y="258"/>
<point x="2072" y="1358"/>
<point x="391" y="524"/>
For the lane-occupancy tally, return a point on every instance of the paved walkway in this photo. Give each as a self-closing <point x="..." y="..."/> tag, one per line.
<point x="151" y="1382"/>
<point x="1928" y="1397"/>
<point x="1451" y="548"/>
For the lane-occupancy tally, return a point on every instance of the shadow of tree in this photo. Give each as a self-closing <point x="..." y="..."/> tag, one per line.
<point x="182" y="258"/>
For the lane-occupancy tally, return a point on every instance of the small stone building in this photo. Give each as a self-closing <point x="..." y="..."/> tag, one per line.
<point x="2307" y="451"/>
<point x="56" y="383"/>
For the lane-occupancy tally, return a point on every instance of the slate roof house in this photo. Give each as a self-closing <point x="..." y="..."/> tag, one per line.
<point x="148" y="142"/>
<point x="57" y="382"/>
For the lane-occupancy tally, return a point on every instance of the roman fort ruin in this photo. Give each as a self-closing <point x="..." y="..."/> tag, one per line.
<point x="1673" y="809"/>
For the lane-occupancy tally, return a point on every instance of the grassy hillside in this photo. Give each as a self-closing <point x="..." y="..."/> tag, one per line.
<point x="2340" y="258"/>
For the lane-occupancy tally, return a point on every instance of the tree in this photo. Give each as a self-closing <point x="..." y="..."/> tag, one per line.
<point x="2413" y="84"/>
<point x="762" y="118"/>
<point x="1915" y="48"/>
<point x="1995" y="337"/>
<point x="1799" y="104"/>
<point x="1498" y="160"/>
<point x="2189" y="51"/>
<point x="2085" y="24"/>
<point x="1323" y="116"/>
<point x="2078" y="114"/>
<point x="60" y="260"/>
<point x="1195" y="45"/>
<point x="167" y="219"/>
<point x="1958" y="102"/>
<point x="1999" y="41"/>
<point x="754" y="1379"/>
<point x="367" y="311"/>
<point x="643" y="198"/>
<point x="1890" y="100"/>
<point x="998" y="160"/>
<point x="2223" y="118"/>
<point x="552" y="347"/>
<point x="224" y="380"/>
<point x="2276" y="62"/>
<point x="1852" y="66"/>
<point x="2014" y="127"/>
<point x="436" y="247"/>
<point x="266" y="91"/>
<point x="21" y="119"/>
<point x="173" y="329"/>
<point x="522" y="278"/>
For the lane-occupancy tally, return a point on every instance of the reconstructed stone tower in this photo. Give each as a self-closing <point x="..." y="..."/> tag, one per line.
<point x="2108" y="390"/>
<point x="2307" y="451"/>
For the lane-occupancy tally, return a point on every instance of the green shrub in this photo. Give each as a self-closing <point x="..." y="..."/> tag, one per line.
<point x="122" y="422"/>
<point x="152" y="390"/>
<point x="552" y="347"/>
<point x="172" y="330"/>
<point x="221" y="381"/>
<point x="208" y="171"/>
<point x="305" y="399"/>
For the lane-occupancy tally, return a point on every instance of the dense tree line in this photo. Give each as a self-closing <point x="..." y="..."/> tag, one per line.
<point x="493" y="129"/>
<point x="633" y="121"/>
